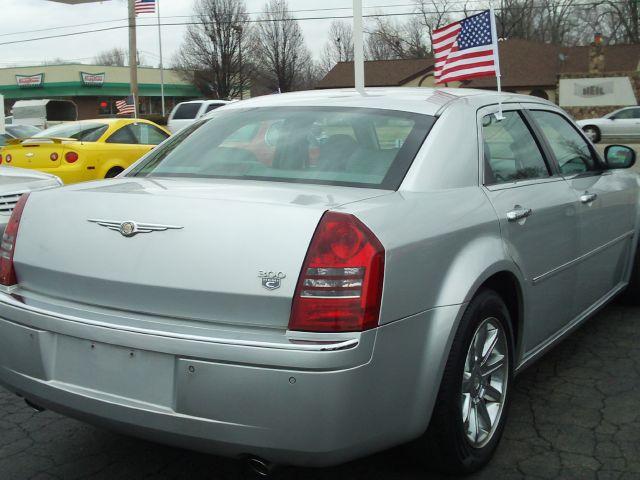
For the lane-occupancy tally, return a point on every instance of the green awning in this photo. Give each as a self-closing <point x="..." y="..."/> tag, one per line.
<point x="77" y="89"/>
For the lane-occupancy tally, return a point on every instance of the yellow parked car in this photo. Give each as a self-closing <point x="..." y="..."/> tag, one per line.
<point x="85" y="150"/>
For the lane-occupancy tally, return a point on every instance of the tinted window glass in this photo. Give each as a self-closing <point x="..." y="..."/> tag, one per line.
<point x="327" y="145"/>
<point x="22" y="131"/>
<point x="213" y="106"/>
<point x="148" y="134"/>
<point x="3" y="139"/>
<point x="187" y="111"/>
<point x="625" y="114"/>
<point x="510" y="151"/>
<point x="570" y="149"/>
<point x="85" y="131"/>
<point x="124" y="135"/>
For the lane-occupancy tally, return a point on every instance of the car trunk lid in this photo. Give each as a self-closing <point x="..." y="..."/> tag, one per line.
<point x="36" y="152"/>
<point x="204" y="250"/>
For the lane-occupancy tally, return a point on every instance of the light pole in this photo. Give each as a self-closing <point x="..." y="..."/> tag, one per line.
<point x="133" y="56"/>
<point x="238" y="29"/>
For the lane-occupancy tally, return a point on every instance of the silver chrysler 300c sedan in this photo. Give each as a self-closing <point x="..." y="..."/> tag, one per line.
<point x="308" y="278"/>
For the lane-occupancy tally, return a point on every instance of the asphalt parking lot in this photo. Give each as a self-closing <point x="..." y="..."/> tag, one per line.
<point x="575" y="415"/>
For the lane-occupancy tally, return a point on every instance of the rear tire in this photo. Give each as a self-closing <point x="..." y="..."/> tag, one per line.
<point x="113" y="172"/>
<point x="592" y="132"/>
<point x="471" y="409"/>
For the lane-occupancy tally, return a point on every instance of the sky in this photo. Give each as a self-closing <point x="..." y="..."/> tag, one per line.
<point x="27" y="15"/>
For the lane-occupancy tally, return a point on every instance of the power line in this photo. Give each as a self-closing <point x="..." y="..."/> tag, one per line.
<point x="271" y="20"/>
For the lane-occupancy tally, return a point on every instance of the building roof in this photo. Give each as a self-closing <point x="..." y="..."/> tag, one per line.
<point x="617" y="58"/>
<point x="378" y="73"/>
<point x="523" y="63"/>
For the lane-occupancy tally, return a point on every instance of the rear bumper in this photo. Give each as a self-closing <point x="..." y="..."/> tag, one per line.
<point x="288" y="405"/>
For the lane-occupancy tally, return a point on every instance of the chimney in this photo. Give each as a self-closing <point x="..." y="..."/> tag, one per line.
<point x="596" y="55"/>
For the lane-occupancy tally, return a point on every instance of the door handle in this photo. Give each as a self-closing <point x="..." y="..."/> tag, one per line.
<point x="588" y="197"/>
<point x="518" y="213"/>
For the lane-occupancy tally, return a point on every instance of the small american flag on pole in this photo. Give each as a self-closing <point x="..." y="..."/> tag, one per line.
<point x="126" y="106"/>
<point x="467" y="49"/>
<point x="145" y="6"/>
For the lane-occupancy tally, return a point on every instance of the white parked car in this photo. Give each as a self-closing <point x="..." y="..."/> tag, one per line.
<point x="186" y="113"/>
<point x="623" y="123"/>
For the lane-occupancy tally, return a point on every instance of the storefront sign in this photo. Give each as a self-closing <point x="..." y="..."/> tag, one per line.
<point x="30" y="81"/>
<point x="92" y="79"/>
<point x="593" y="92"/>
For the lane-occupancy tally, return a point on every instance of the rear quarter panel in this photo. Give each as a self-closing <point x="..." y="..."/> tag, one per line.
<point x="440" y="246"/>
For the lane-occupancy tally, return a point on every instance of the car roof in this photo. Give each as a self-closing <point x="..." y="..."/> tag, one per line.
<point x="204" y="101"/>
<point x="429" y="101"/>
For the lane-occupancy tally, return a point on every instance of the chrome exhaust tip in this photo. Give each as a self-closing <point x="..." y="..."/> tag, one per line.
<point x="35" y="407"/>
<point x="259" y="467"/>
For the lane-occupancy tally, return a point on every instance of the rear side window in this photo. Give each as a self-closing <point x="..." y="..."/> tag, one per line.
<point x="85" y="131"/>
<point x="148" y="134"/>
<point x="510" y="150"/>
<point x="125" y="135"/>
<point x="213" y="106"/>
<point x="187" y="111"/>
<point x="324" y="145"/>
<point x="571" y="150"/>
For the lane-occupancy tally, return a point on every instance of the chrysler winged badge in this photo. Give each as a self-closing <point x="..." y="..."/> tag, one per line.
<point x="130" y="228"/>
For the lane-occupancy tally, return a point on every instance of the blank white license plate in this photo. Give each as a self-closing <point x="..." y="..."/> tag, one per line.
<point x="130" y="373"/>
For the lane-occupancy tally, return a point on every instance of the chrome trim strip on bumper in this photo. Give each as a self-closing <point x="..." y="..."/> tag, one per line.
<point x="582" y="258"/>
<point x="295" y="342"/>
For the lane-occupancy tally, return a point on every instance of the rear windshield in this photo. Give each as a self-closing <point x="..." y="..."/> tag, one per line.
<point x="187" y="111"/>
<point x="22" y="131"/>
<point x="333" y="146"/>
<point x="85" y="131"/>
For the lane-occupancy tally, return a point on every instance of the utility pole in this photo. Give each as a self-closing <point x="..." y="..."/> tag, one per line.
<point x="239" y="31"/>
<point x="133" y="56"/>
<point x="358" y="46"/>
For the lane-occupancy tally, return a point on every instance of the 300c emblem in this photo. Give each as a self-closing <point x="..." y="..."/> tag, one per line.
<point x="271" y="280"/>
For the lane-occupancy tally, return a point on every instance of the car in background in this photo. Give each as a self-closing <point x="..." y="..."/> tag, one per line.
<point x="8" y="120"/>
<point x="16" y="181"/>
<point x="282" y="307"/>
<point x="17" y="131"/>
<point x="86" y="150"/>
<point x="186" y="113"/>
<point x="623" y="124"/>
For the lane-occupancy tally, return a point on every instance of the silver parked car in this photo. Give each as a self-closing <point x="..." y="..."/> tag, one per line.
<point x="620" y="124"/>
<point x="309" y="278"/>
<point x="16" y="181"/>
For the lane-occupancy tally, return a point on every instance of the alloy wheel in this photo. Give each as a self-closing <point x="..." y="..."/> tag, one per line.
<point x="484" y="382"/>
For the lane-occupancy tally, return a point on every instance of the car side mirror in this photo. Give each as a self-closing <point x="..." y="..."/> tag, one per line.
<point x="619" y="156"/>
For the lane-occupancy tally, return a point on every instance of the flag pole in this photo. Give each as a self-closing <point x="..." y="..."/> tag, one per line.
<point x="161" y="62"/>
<point x="496" y="60"/>
<point x="358" y="46"/>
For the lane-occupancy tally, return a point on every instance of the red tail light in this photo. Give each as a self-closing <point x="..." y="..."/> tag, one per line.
<point x="8" y="246"/>
<point x="0" y="159"/>
<point x="340" y="286"/>
<point x="54" y="157"/>
<point x="71" y="157"/>
<point x="8" y="158"/>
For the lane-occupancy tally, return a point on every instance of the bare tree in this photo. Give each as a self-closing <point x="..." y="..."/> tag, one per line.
<point x="211" y="55"/>
<point x="624" y="20"/>
<point x="280" y="49"/>
<point x="389" y="39"/>
<point x="116" y="57"/>
<point x="339" y="46"/>
<point x="433" y="15"/>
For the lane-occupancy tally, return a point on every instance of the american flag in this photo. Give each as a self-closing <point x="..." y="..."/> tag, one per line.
<point x="126" y="106"/>
<point x="145" y="6"/>
<point x="466" y="49"/>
